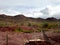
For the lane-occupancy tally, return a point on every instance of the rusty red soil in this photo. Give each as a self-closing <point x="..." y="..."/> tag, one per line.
<point x="19" y="38"/>
<point x="13" y="28"/>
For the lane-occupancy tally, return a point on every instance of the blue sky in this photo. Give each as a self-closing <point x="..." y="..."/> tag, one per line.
<point x="31" y="8"/>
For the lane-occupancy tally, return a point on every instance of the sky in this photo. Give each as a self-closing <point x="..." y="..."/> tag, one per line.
<point x="31" y="8"/>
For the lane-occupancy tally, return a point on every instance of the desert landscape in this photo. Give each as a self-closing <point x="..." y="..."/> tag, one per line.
<point x="29" y="22"/>
<point x="29" y="31"/>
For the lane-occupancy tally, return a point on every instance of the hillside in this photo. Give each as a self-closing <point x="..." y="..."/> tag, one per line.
<point x="27" y="23"/>
<point x="21" y="29"/>
<point x="21" y="18"/>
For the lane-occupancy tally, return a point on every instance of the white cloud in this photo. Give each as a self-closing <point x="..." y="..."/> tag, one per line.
<point x="48" y="11"/>
<point x="9" y="12"/>
<point x="30" y="8"/>
<point x="52" y="11"/>
<point x="33" y="3"/>
<point x="34" y="15"/>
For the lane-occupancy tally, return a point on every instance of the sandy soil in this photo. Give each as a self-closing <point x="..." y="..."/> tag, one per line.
<point x="19" y="38"/>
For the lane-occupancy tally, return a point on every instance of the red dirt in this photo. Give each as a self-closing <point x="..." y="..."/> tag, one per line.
<point x="16" y="38"/>
<point x="15" y="28"/>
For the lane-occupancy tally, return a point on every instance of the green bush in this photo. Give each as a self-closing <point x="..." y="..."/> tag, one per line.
<point x="49" y="25"/>
<point x="18" y="30"/>
<point x="25" y="31"/>
<point x="45" y="29"/>
<point x="29" y="24"/>
<point x="45" y="25"/>
<point x="56" y="31"/>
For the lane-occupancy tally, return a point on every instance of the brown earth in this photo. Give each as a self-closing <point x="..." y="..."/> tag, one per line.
<point x="19" y="38"/>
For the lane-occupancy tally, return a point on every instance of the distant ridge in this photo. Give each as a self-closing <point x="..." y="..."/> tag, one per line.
<point x="21" y="17"/>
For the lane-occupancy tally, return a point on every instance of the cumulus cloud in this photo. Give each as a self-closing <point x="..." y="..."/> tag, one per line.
<point x="9" y="12"/>
<point x="31" y="8"/>
<point x="51" y="11"/>
<point x="34" y="14"/>
<point x="48" y="11"/>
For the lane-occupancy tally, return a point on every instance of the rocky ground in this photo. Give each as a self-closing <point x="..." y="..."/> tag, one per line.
<point x="19" y="38"/>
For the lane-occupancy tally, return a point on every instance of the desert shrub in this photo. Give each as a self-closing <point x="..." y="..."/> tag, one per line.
<point x="49" y="25"/>
<point x="18" y="30"/>
<point x="56" y="31"/>
<point x="27" y="31"/>
<point x="22" y="24"/>
<point x="29" y="24"/>
<point x="45" y="25"/>
<point x="39" y="30"/>
<point x="54" y="25"/>
<point x="2" y="25"/>
<point x="43" y="29"/>
<point x="46" y="29"/>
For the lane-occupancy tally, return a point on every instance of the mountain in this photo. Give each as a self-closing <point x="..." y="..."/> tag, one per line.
<point x="52" y="19"/>
<point x="21" y="17"/>
<point x="24" y="22"/>
<point x="18" y="18"/>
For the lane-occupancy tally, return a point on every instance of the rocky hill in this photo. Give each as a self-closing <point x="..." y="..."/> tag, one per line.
<point x="21" y="17"/>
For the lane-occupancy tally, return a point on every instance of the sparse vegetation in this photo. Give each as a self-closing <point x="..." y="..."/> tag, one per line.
<point x="17" y="24"/>
<point x="45" y="25"/>
<point x="18" y="30"/>
<point x="29" y="24"/>
<point x="56" y="31"/>
<point x="24" y="31"/>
